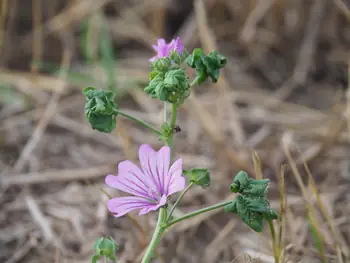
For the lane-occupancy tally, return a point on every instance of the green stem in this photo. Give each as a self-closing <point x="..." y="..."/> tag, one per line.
<point x="273" y="236"/>
<point x="172" y="125"/>
<point x="194" y="82"/>
<point x="139" y="121"/>
<point x="162" y="217"/>
<point x="200" y="211"/>
<point x="165" y="112"/>
<point x="156" y="235"/>
<point x="179" y="199"/>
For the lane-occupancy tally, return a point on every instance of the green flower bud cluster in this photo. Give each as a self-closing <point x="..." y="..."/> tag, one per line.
<point x="206" y="66"/>
<point x="105" y="247"/>
<point x="168" y="81"/>
<point x="100" y="109"/>
<point x="252" y="205"/>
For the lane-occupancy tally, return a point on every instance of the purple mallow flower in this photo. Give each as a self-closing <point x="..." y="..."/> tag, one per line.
<point x="149" y="187"/>
<point x="163" y="49"/>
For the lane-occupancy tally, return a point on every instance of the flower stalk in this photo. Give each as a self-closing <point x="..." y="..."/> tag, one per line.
<point x="124" y="114"/>
<point x="156" y="235"/>
<point x="170" y="139"/>
<point x="179" y="199"/>
<point x="197" y="212"/>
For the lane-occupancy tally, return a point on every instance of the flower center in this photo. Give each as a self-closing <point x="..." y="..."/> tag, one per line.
<point x="154" y="194"/>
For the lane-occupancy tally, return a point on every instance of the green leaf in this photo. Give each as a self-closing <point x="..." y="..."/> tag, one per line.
<point x="163" y="91"/>
<point x="231" y="207"/>
<point x="196" y="56"/>
<point x="251" y="205"/>
<point x="152" y="86"/>
<point x="240" y="182"/>
<point x="206" y="66"/>
<point x="252" y="218"/>
<point x="199" y="176"/>
<point x="100" y="109"/>
<point x="177" y="78"/>
<point x="247" y="186"/>
<point x="94" y="258"/>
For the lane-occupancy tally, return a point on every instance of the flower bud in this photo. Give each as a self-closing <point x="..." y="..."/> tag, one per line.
<point x="161" y="64"/>
<point x="199" y="176"/>
<point x="178" y="58"/>
<point x="105" y="247"/>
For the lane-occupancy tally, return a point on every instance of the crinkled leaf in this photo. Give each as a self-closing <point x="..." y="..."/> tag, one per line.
<point x="231" y="207"/>
<point x="240" y="206"/>
<point x="103" y="123"/>
<point x="240" y="182"/>
<point x="206" y="66"/>
<point x="251" y="205"/>
<point x="196" y="56"/>
<point x="247" y="186"/>
<point x="153" y="74"/>
<point x="163" y="91"/>
<point x="100" y="109"/>
<point x="257" y="187"/>
<point x="152" y="86"/>
<point x="176" y="78"/>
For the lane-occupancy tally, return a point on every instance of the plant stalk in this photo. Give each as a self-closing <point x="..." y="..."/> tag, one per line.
<point x="139" y="121"/>
<point x="179" y="199"/>
<point x="156" y="235"/>
<point x="197" y="212"/>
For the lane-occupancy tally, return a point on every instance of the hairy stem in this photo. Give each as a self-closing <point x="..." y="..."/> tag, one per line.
<point x="179" y="199"/>
<point x="194" y="82"/>
<point x="172" y="125"/>
<point x="156" y="235"/>
<point x="139" y="122"/>
<point x="197" y="212"/>
<point x="165" y="112"/>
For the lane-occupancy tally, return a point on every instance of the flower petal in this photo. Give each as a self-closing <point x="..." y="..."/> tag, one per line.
<point x="153" y="207"/>
<point x="175" y="182"/>
<point x="163" y="162"/>
<point x="148" y="161"/>
<point x="170" y="47"/>
<point x="120" y="206"/>
<point x="161" y="42"/>
<point x="130" y="180"/>
<point x="156" y="48"/>
<point x="153" y="58"/>
<point x="179" y="47"/>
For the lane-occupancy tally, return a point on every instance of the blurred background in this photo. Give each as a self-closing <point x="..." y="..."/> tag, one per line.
<point x="284" y="93"/>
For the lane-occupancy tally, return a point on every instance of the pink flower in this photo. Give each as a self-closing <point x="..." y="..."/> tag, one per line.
<point x="149" y="187"/>
<point x="163" y="49"/>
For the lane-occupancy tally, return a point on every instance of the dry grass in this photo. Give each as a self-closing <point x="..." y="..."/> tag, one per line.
<point x="284" y="94"/>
